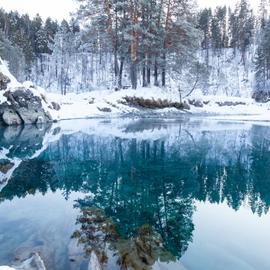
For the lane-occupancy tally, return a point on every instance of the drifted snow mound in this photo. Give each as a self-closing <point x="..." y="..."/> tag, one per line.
<point x="21" y="103"/>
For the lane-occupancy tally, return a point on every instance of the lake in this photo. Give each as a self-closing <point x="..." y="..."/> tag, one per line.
<point x="189" y="194"/>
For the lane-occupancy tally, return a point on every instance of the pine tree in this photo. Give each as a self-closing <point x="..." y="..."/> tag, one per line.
<point x="242" y="24"/>
<point x="204" y="24"/>
<point x="262" y="75"/>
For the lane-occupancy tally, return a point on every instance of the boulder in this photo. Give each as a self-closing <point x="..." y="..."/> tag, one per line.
<point x="261" y="96"/>
<point x="56" y="106"/>
<point x="5" y="166"/>
<point x="23" y="108"/>
<point x="185" y="106"/>
<point x="35" y="262"/>
<point x="196" y="103"/>
<point x="105" y="109"/>
<point x="4" y="81"/>
<point x="10" y="118"/>
<point x="230" y="103"/>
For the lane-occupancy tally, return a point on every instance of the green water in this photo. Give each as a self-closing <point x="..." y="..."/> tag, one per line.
<point x="143" y="195"/>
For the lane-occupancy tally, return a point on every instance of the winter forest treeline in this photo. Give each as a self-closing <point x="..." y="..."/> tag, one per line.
<point x="118" y="44"/>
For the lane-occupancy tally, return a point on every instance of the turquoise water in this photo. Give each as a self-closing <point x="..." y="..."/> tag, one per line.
<point x="146" y="194"/>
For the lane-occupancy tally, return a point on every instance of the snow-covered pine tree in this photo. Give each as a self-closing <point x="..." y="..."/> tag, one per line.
<point x="204" y="24"/>
<point x="262" y="75"/>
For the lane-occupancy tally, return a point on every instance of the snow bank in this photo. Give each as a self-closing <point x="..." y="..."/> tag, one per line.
<point x="4" y="69"/>
<point x="110" y="104"/>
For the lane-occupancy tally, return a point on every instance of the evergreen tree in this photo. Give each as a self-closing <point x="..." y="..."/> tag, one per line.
<point x="242" y="25"/>
<point x="219" y="29"/>
<point x="204" y="24"/>
<point x="262" y="75"/>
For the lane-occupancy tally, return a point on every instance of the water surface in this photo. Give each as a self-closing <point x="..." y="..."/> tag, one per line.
<point x="139" y="194"/>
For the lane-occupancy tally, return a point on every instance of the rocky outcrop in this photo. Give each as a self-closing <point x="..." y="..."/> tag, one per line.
<point x="4" y="81"/>
<point x="22" y="103"/>
<point x="261" y="96"/>
<point x="23" y="107"/>
<point x="10" y="117"/>
<point x="55" y="106"/>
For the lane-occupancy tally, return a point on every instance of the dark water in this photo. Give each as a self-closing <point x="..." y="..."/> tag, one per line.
<point x="139" y="195"/>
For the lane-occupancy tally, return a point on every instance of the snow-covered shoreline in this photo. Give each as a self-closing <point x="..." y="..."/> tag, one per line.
<point x="110" y="104"/>
<point x="113" y="104"/>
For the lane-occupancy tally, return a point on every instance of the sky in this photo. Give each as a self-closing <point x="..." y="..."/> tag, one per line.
<point x="59" y="9"/>
<point x="212" y="3"/>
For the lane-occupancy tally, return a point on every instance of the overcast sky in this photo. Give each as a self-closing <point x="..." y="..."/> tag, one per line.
<point x="60" y="9"/>
<point x="57" y="9"/>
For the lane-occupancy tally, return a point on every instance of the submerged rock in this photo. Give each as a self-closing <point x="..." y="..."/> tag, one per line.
<point x="33" y="263"/>
<point x="94" y="262"/>
<point x="5" y="165"/>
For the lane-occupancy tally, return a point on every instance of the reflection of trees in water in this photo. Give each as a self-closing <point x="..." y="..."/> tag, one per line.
<point x="206" y="169"/>
<point x="145" y="186"/>
<point x="140" y="194"/>
<point x="98" y="233"/>
<point x="260" y="170"/>
<point x="198" y="164"/>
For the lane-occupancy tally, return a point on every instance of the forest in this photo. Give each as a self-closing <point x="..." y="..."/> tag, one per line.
<point x="117" y="44"/>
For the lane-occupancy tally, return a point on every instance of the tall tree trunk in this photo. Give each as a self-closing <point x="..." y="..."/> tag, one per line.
<point x="116" y="65"/>
<point x="163" y="73"/>
<point x="134" y="36"/>
<point x="120" y="76"/>
<point x="133" y="75"/>
<point x="144" y="72"/>
<point x="165" y="43"/>
<point x="156" y="73"/>
<point x="148" y="75"/>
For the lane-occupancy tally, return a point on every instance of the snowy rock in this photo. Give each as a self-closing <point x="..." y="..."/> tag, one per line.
<point x="20" y="103"/>
<point x="105" y="109"/>
<point x="55" y="106"/>
<point x="261" y="96"/>
<point x="4" y="81"/>
<point x="185" y="105"/>
<point x="40" y="120"/>
<point x="10" y="118"/>
<point x="24" y="108"/>
<point x="196" y="103"/>
<point x="230" y="103"/>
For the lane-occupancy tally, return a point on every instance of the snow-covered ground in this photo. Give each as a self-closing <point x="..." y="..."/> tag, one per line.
<point x="111" y="104"/>
<point x="93" y="104"/>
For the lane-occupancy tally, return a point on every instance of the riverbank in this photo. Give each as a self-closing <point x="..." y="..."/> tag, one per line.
<point x="115" y="104"/>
